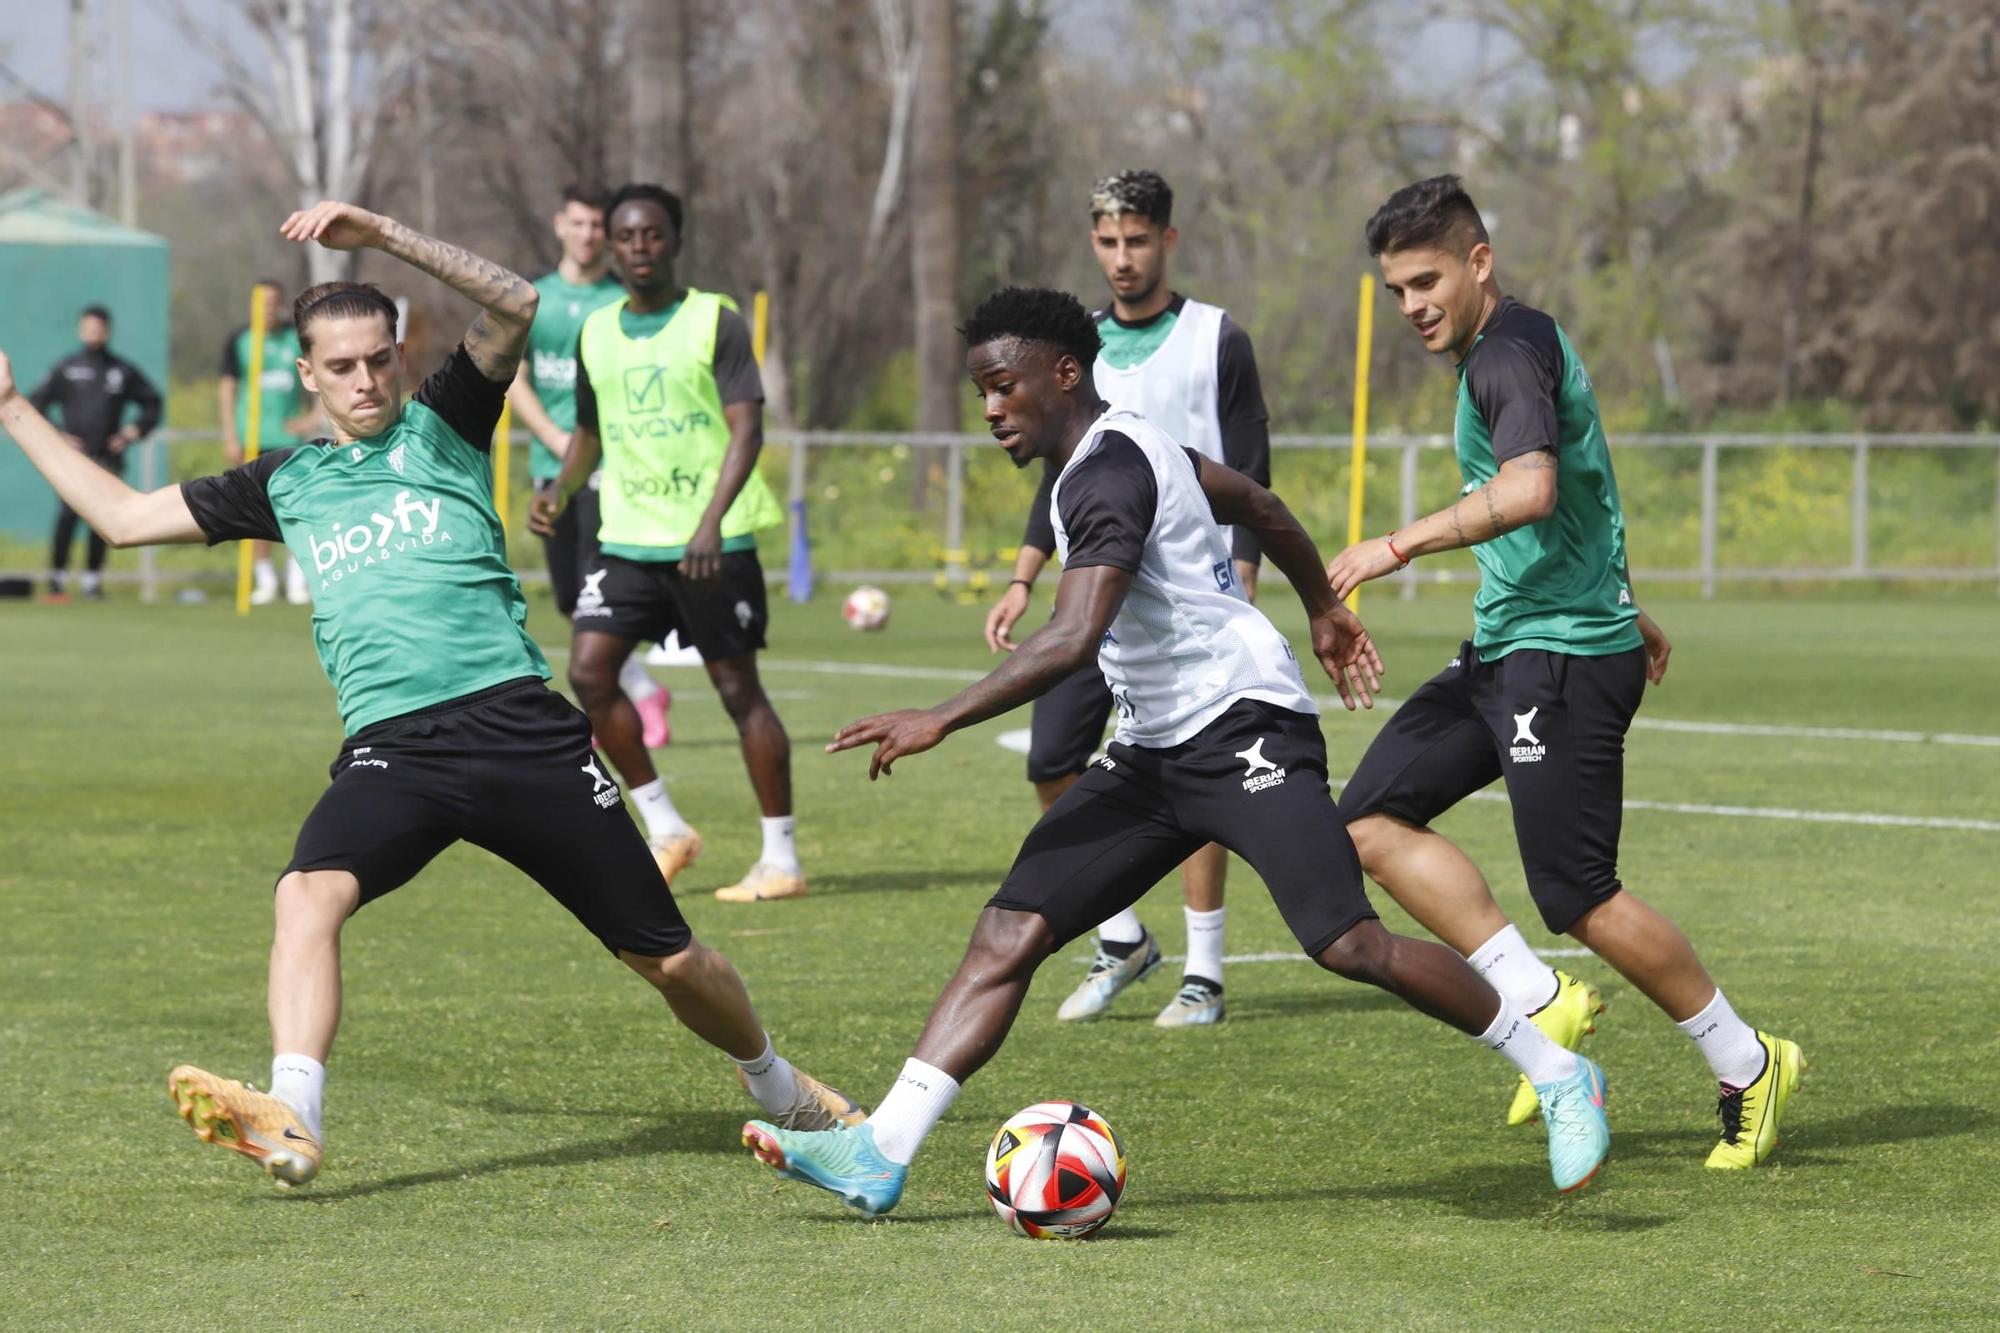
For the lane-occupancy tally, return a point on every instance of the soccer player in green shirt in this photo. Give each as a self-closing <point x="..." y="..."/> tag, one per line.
<point x="668" y="395"/>
<point x="543" y="395"/>
<point x="1543" y="692"/>
<point x="451" y="731"/>
<point x="284" y="416"/>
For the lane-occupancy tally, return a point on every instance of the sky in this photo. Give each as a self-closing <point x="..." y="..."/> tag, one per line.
<point x="176" y="73"/>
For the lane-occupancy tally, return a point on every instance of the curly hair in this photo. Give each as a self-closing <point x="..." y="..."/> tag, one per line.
<point x="1434" y="212"/>
<point x="1145" y="193"/>
<point x="340" y="300"/>
<point x="1035" y="314"/>
<point x="652" y="194"/>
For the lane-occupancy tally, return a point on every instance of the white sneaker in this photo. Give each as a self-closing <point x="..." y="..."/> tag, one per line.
<point x="296" y="591"/>
<point x="1110" y="974"/>
<point x="264" y="594"/>
<point x="1194" y="1005"/>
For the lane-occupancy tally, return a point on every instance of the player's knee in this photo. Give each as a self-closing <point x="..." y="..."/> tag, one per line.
<point x="1009" y="945"/>
<point x="681" y="972"/>
<point x="592" y="681"/>
<point x="308" y="898"/>
<point x="1376" y="838"/>
<point x="742" y="695"/>
<point x="1362" y="954"/>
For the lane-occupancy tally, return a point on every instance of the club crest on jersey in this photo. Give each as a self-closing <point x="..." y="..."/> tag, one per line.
<point x="1259" y="772"/>
<point x="410" y="523"/>
<point x="1527" y="748"/>
<point x="396" y="459"/>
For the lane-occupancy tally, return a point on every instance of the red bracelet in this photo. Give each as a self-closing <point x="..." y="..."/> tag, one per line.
<point x="1402" y="561"/>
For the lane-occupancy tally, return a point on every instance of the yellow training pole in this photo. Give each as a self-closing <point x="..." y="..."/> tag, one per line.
<point x="251" y="383"/>
<point x="503" y="454"/>
<point x="760" y="324"/>
<point x="1364" y="336"/>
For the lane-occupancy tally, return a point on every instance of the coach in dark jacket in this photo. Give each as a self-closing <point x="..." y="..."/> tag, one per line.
<point x="90" y="390"/>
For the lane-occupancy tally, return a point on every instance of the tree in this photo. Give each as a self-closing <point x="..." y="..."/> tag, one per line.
<point x="934" y="236"/>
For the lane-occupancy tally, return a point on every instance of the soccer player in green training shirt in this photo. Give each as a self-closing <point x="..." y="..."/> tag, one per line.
<point x="1543" y="692"/>
<point x="669" y="397"/>
<point x="543" y="395"/>
<point x="284" y="415"/>
<point x="451" y="732"/>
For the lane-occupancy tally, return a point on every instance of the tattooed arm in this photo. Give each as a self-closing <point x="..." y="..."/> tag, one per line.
<point x="1523" y="492"/>
<point x="498" y="334"/>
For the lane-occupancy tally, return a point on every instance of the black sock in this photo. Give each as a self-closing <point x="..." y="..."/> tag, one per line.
<point x="1120" y="948"/>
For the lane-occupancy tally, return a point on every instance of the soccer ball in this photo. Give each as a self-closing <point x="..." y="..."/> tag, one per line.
<point x="1055" y="1171"/>
<point x="865" y="608"/>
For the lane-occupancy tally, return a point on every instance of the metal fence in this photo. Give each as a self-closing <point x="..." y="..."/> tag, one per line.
<point x="1702" y="464"/>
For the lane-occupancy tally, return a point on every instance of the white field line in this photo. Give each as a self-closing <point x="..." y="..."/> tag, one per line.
<point x="1295" y="956"/>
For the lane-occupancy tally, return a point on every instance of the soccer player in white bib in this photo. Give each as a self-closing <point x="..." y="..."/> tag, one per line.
<point x="1187" y="367"/>
<point x="1218" y="741"/>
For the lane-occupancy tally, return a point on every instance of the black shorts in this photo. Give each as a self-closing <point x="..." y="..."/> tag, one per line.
<point x="572" y="548"/>
<point x="722" y="618"/>
<point x="1253" y="780"/>
<point x="1553" y="725"/>
<point x="509" y="769"/>
<point x="1068" y="725"/>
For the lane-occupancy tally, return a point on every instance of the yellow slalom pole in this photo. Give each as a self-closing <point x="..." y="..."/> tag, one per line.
<point x="251" y="383"/>
<point x="1364" y="337"/>
<point x="760" y="324"/>
<point x="503" y="455"/>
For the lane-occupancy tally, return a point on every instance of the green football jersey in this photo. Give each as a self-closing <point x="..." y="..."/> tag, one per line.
<point x="552" y="354"/>
<point x="414" y="603"/>
<point x="278" y="382"/>
<point x="1561" y="584"/>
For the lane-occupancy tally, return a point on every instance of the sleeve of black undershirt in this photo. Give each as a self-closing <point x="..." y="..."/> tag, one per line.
<point x="586" y="396"/>
<point x="1041" y="532"/>
<point x="49" y="390"/>
<point x="229" y="368"/>
<point x="470" y="404"/>
<point x="1513" y="384"/>
<point x="236" y="504"/>
<point x="737" y="378"/>
<point x="1246" y="424"/>
<point x="1108" y="504"/>
<point x="139" y="392"/>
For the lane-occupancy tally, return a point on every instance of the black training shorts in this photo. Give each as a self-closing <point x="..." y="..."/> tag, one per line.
<point x="722" y="618"/>
<point x="1253" y="780"/>
<point x="1553" y="725"/>
<point x="572" y="548"/>
<point x="1068" y="725"/>
<point x="509" y="769"/>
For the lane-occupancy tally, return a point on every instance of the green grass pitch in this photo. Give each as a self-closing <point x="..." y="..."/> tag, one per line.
<point x="519" y="1137"/>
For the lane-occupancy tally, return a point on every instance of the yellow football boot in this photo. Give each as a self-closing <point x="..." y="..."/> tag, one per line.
<point x="765" y="883"/>
<point x="1750" y="1115"/>
<point x="1565" y="1020"/>
<point x="817" y="1106"/>
<point x="675" y="852"/>
<point x="242" y="1119"/>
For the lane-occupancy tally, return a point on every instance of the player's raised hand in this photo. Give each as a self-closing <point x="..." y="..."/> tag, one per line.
<point x="1359" y="563"/>
<point x="1344" y="648"/>
<point x="906" y="731"/>
<point x="335" y="225"/>
<point x="1657" y="648"/>
<point x="1000" y="621"/>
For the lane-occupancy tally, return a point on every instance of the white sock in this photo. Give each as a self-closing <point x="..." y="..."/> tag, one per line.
<point x="1513" y="969"/>
<point x="662" y="820"/>
<point x="299" y="1081"/>
<point x="1204" y="947"/>
<point x="779" y="848"/>
<point x="1516" y="1037"/>
<point x="771" y="1079"/>
<point x="911" y="1110"/>
<point x="1123" y="928"/>
<point x="632" y="679"/>
<point x="1729" y="1044"/>
<point x="92" y="581"/>
<point x="265" y="575"/>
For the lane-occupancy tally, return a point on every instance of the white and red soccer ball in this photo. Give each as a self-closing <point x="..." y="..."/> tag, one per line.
<point x="866" y="608"/>
<point x="1055" y="1171"/>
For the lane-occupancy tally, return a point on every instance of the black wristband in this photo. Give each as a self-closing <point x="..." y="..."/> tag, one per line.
<point x="1023" y="582"/>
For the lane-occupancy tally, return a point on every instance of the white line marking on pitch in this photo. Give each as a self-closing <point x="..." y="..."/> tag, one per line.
<point x="1295" y="956"/>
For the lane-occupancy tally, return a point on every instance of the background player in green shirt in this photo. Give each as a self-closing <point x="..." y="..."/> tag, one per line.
<point x="669" y="396"/>
<point x="1543" y="692"/>
<point x="451" y="731"/>
<point x="543" y="395"/>
<point x="284" y="418"/>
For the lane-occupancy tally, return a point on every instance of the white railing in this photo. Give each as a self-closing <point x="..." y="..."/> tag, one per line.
<point x="1707" y="571"/>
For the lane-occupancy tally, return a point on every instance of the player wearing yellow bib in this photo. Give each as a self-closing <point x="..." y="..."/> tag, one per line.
<point x="285" y="415"/>
<point x="668" y="396"/>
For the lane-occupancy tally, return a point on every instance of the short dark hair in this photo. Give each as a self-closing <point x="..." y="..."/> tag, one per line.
<point x="340" y="300"/>
<point x="1143" y="192"/>
<point x="1036" y="314"/>
<point x="590" y="196"/>
<point x="1435" y="212"/>
<point x="654" y="194"/>
<point x="94" y="312"/>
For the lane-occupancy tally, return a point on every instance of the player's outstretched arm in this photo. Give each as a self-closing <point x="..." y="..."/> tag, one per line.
<point x="1087" y="601"/>
<point x="1523" y="492"/>
<point x="116" y="512"/>
<point x="497" y="335"/>
<point x="1340" y="641"/>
